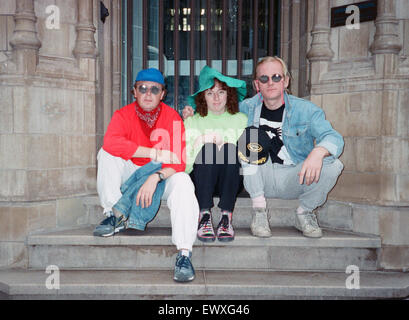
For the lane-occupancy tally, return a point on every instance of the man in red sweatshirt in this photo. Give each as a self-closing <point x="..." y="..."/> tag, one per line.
<point x="143" y="131"/>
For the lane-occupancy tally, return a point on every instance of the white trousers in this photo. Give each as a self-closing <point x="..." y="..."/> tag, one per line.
<point x="179" y="194"/>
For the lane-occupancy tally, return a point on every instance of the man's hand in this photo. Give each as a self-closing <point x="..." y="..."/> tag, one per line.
<point x="146" y="191"/>
<point x="165" y="156"/>
<point x="311" y="168"/>
<point x="187" y="112"/>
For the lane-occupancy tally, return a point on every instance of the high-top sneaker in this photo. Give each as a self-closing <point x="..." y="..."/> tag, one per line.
<point x="225" y="230"/>
<point x="260" y="226"/>
<point x="205" y="230"/>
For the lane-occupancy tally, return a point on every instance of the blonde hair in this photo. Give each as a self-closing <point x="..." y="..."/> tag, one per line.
<point x="272" y="59"/>
<point x="266" y="59"/>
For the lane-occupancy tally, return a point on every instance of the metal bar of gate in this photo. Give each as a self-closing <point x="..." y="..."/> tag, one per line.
<point x="192" y="46"/>
<point x="271" y="27"/>
<point x="129" y="84"/>
<point x="208" y="32"/>
<point x="176" y="55"/>
<point x="239" y="38"/>
<point x="255" y="32"/>
<point x="145" y="34"/>
<point x="161" y="32"/>
<point x="224" y="36"/>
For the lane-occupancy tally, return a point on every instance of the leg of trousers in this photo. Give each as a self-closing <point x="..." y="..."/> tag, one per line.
<point x="179" y="193"/>
<point x="274" y="180"/>
<point x="217" y="170"/>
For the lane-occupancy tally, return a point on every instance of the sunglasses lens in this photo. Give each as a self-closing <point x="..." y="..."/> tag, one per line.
<point x="276" y="78"/>
<point x="142" y="89"/>
<point x="263" y="79"/>
<point x="155" y="90"/>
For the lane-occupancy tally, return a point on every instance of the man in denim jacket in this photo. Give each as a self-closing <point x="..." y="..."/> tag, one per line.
<point x="304" y="164"/>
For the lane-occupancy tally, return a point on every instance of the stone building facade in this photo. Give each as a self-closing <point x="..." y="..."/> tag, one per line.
<point x="59" y="88"/>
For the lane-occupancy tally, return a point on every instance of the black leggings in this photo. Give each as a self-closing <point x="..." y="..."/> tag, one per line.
<point x="216" y="172"/>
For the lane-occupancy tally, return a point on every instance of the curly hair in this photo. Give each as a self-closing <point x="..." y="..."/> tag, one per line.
<point x="232" y="103"/>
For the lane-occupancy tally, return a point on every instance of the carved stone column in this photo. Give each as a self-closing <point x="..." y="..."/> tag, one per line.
<point x="85" y="44"/>
<point x="24" y="41"/>
<point x="320" y="45"/>
<point x="386" y="34"/>
<point x="320" y="53"/>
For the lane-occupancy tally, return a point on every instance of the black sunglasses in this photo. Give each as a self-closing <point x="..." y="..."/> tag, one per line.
<point x="275" y="78"/>
<point x="154" y="89"/>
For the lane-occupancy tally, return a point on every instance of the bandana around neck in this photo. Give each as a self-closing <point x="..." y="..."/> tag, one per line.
<point x="148" y="117"/>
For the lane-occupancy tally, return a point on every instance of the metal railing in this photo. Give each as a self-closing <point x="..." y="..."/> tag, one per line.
<point x="254" y="22"/>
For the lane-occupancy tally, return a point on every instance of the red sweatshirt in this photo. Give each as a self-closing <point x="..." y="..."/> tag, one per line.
<point x="124" y="135"/>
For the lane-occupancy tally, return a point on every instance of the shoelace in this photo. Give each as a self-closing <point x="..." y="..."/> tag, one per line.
<point x="206" y="224"/>
<point x="311" y="219"/>
<point x="184" y="262"/>
<point x="224" y="223"/>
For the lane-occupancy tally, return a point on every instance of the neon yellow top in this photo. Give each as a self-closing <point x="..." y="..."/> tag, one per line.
<point x="228" y="126"/>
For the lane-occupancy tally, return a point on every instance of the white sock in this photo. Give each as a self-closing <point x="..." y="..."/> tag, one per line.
<point x="184" y="252"/>
<point x="300" y="210"/>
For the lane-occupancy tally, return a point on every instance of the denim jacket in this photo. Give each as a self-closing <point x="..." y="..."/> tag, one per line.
<point x="138" y="217"/>
<point x="303" y="124"/>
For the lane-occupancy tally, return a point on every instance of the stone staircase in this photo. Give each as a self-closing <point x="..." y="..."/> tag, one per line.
<point x="139" y="265"/>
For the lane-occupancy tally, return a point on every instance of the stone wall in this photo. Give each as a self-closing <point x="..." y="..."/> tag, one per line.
<point x="47" y="119"/>
<point x="360" y="77"/>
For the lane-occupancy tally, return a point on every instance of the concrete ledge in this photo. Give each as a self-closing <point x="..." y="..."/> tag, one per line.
<point x="282" y="236"/>
<point x="154" y="250"/>
<point x="207" y="285"/>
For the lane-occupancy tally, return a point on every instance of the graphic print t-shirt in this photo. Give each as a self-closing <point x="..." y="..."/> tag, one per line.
<point x="271" y="121"/>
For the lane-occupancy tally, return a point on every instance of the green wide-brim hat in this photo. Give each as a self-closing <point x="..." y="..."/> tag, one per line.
<point x="206" y="81"/>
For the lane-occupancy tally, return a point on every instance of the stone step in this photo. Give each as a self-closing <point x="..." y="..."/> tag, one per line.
<point x="281" y="213"/>
<point x="215" y="285"/>
<point x="153" y="250"/>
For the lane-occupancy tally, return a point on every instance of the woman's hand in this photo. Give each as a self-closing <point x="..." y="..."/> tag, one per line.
<point x="187" y="112"/>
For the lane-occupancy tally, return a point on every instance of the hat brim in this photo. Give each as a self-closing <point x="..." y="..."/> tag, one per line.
<point x="206" y="81"/>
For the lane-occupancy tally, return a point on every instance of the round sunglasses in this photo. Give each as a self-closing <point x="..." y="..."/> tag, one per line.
<point x="153" y="90"/>
<point x="275" y="78"/>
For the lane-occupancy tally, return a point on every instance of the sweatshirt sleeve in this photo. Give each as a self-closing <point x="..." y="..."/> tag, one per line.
<point x="177" y="143"/>
<point x="116" y="139"/>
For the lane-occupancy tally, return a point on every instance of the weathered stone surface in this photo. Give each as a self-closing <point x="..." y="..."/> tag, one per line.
<point x="336" y="215"/>
<point x="364" y="123"/>
<point x="13" y="255"/>
<point x="368" y="154"/>
<point x="393" y="226"/>
<point x="8" y="7"/>
<point x="403" y="187"/>
<point x="354" y="43"/>
<point x="49" y="184"/>
<point x="395" y="258"/>
<point x="50" y="39"/>
<point x="14" y="184"/>
<point x="403" y="119"/>
<point x="40" y="110"/>
<point x="365" y="219"/>
<point x="357" y="186"/>
<point x="71" y="212"/>
<point x="20" y="220"/>
<point x="6" y="110"/>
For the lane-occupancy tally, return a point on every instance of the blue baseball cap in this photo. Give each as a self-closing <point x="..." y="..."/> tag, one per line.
<point x="150" y="74"/>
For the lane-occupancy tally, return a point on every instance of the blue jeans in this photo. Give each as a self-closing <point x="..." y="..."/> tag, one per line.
<point x="273" y="180"/>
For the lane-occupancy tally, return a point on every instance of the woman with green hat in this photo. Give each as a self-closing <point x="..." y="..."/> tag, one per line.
<point x="211" y="152"/>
